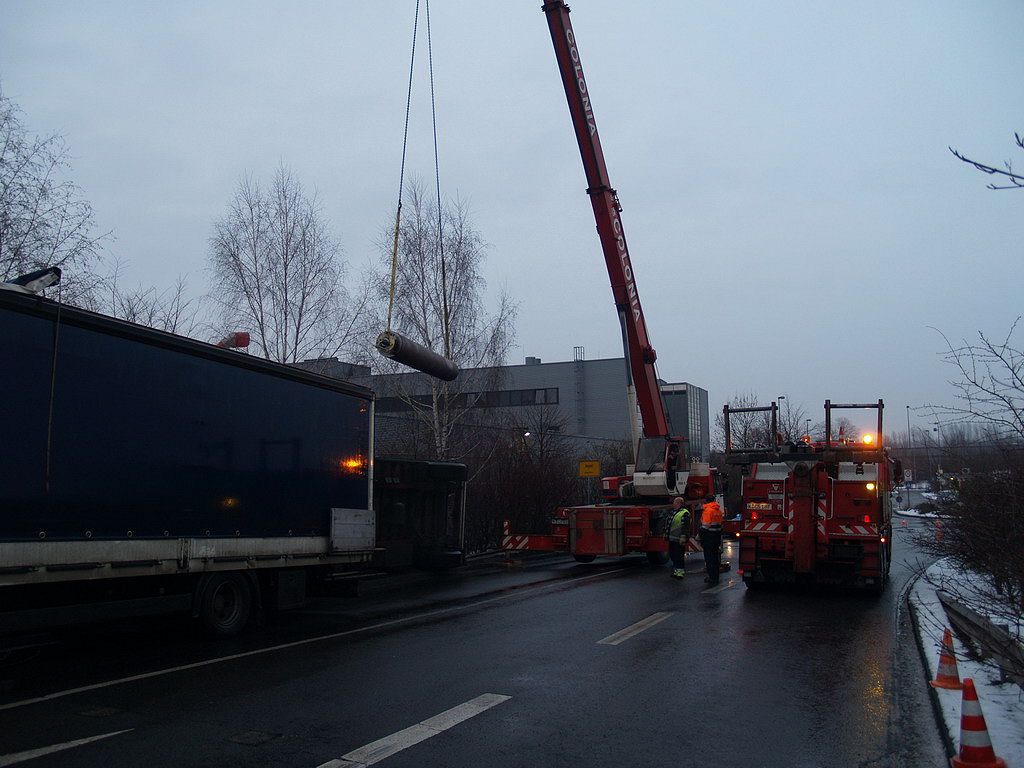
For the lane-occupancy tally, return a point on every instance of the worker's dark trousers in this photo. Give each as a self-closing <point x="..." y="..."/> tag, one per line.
<point x="677" y="552"/>
<point x="711" y="541"/>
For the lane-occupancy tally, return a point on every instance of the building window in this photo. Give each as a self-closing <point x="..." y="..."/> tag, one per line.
<point x="495" y="398"/>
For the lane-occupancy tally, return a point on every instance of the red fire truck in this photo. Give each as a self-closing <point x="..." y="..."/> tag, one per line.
<point x="637" y="507"/>
<point x="815" y="511"/>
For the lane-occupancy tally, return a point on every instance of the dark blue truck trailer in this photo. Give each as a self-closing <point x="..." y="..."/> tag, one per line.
<point x="136" y="463"/>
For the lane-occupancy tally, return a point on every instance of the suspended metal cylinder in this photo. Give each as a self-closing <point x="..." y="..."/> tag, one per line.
<point x="406" y="352"/>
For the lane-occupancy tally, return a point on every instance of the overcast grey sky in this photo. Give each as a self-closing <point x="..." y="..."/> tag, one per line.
<point x="796" y="222"/>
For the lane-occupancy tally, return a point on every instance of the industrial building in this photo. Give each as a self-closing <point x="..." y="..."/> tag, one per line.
<point x="589" y="396"/>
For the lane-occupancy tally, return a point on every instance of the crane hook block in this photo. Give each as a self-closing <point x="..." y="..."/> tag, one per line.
<point x="406" y="352"/>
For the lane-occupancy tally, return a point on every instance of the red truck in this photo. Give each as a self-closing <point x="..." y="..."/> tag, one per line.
<point x="816" y="512"/>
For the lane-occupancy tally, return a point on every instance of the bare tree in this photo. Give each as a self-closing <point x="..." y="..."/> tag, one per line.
<point x="989" y="384"/>
<point x="982" y="529"/>
<point x="792" y="422"/>
<point x="277" y="273"/>
<point x="44" y="221"/>
<point x="1015" y="180"/>
<point x="437" y="287"/>
<point x="748" y="430"/>
<point x="982" y="532"/>
<point x="530" y="473"/>
<point x="171" y="310"/>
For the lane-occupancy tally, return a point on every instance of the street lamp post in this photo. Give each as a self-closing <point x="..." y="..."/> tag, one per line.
<point x="910" y="447"/>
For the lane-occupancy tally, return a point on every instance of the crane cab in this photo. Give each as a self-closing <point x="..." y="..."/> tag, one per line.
<point x="660" y="468"/>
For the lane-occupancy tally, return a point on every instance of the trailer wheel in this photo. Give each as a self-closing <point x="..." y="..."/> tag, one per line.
<point x="584" y="558"/>
<point x="226" y="604"/>
<point x="657" y="558"/>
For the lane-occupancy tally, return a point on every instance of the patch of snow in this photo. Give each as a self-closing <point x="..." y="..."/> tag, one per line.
<point x="1002" y="704"/>
<point x="916" y="513"/>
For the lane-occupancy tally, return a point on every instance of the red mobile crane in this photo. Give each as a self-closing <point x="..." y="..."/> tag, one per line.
<point x="636" y="508"/>
<point x="815" y="511"/>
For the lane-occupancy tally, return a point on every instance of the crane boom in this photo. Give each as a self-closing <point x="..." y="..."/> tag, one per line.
<point x="639" y="352"/>
<point x="635" y="512"/>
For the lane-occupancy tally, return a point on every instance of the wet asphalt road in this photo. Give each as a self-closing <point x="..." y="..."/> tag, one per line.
<point x="543" y="664"/>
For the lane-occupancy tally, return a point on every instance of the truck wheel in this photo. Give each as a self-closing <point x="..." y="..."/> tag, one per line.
<point x="878" y="587"/>
<point x="584" y="558"/>
<point x="657" y="558"/>
<point x="226" y="604"/>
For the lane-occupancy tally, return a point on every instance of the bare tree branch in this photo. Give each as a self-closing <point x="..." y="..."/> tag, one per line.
<point x="990" y="385"/>
<point x="1016" y="179"/>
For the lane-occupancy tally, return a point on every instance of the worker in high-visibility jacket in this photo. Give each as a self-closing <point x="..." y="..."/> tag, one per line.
<point x="678" y="535"/>
<point x="711" y="537"/>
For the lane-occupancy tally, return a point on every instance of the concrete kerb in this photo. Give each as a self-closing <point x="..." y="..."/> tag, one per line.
<point x="933" y="694"/>
<point x="502" y="558"/>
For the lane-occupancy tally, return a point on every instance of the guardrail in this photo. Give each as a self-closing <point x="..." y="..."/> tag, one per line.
<point x="992" y="641"/>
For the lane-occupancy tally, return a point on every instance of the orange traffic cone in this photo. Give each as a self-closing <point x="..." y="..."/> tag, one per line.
<point x="975" y="745"/>
<point x="948" y="676"/>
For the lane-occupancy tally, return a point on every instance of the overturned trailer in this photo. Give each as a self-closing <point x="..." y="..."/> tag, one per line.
<point x="140" y="464"/>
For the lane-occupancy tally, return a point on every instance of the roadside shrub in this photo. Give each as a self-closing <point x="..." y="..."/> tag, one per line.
<point x="984" y="532"/>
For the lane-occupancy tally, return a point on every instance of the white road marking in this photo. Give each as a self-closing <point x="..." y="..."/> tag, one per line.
<point x="31" y="754"/>
<point x="381" y="749"/>
<point x="295" y="644"/>
<point x="635" y="629"/>
<point x="719" y="587"/>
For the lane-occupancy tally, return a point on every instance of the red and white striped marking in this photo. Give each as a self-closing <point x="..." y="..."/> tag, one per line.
<point x="508" y="541"/>
<point x="948" y="676"/>
<point x="822" y="509"/>
<point x="975" y="744"/>
<point x="859" y="530"/>
<point x="763" y="527"/>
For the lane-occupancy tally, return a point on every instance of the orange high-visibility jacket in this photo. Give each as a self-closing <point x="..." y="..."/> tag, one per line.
<point x="711" y="515"/>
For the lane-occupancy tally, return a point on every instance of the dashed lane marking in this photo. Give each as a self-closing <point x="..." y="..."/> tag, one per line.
<point x="298" y="643"/>
<point x="31" y="754"/>
<point x="635" y="629"/>
<point x="381" y="749"/>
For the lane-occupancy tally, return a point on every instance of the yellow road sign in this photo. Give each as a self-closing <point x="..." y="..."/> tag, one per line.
<point x="590" y="469"/>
